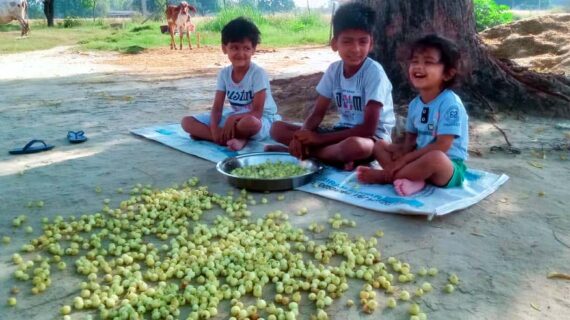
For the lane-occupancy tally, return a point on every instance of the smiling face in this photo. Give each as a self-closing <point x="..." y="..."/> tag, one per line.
<point x="427" y="72"/>
<point x="353" y="47"/>
<point x="239" y="53"/>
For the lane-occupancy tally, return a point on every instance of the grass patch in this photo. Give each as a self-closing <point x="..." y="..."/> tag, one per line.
<point x="276" y="31"/>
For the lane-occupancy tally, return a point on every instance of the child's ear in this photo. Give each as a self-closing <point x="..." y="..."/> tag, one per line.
<point x="334" y="45"/>
<point x="371" y="44"/>
<point x="449" y="74"/>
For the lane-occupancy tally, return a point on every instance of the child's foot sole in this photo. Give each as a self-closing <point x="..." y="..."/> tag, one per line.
<point x="405" y="187"/>
<point x="236" y="144"/>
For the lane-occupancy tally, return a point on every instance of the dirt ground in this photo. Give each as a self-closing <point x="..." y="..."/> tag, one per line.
<point x="541" y="43"/>
<point x="502" y="248"/>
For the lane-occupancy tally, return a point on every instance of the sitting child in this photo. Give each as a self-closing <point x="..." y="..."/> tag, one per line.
<point x="246" y="86"/>
<point x="361" y="90"/>
<point x="436" y="130"/>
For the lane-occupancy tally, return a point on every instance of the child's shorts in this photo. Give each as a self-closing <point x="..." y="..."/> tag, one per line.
<point x="263" y="133"/>
<point x="375" y="137"/>
<point x="458" y="176"/>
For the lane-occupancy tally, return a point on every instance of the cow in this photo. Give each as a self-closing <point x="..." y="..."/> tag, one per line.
<point x="15" y="10"/>
<point x="178" y="18"/>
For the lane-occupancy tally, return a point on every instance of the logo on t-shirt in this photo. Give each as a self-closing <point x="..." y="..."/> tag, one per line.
<point x="452" y="116"/>
<point x="240" y="96"/>
<point x="348" y="102"/>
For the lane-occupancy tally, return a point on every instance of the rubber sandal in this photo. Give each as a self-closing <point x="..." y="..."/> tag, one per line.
<point x="33" y="147"/>
<point x="76" y="136"/>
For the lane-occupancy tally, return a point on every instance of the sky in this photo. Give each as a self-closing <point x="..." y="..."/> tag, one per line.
<point x="312" y="3"/>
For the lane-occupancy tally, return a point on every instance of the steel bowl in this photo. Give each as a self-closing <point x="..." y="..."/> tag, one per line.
<point x="256" y="184"/>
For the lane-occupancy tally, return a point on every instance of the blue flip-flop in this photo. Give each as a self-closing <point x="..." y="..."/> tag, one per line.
<point x="32" y="147"/>
<point x="76" y="136"/>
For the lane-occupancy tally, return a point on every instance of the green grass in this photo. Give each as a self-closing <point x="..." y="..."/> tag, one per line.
<point x="132" y="37"/>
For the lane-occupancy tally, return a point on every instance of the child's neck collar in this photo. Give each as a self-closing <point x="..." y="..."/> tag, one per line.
<point x="430" y="95"/>
<point x="238" y="73"/>
<point x="348" y="72"/>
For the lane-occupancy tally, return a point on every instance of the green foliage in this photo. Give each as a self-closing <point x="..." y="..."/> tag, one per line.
<point x="141" y="28"/>
<point x="132" y="37"/>
<point x="232" y="12"/>
<point x="71" y="22"/>
<point x="489" y="14"/>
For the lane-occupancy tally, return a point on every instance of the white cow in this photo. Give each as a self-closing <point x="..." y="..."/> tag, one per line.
<point x="15" y="10"/>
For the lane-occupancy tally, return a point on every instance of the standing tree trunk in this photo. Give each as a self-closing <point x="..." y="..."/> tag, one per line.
<point x="48" y="11"/>
<point x="143" y="8"/>
<point x="495" y="85"/>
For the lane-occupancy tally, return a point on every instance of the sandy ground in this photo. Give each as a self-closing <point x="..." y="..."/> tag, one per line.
<point x="502" y="248"/>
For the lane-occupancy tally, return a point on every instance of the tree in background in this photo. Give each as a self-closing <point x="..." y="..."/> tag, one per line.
<point x="90" y="4"/>
<point x="49" y="12"/>
<point x="489" y="14"/>
<point x="490" y="85"/>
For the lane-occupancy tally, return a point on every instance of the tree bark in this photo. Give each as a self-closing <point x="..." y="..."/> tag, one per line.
<point x="48" y="11"/>
<point x="489" y="84"/>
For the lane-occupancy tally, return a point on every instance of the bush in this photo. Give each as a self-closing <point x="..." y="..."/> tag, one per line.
<point x="230" y="13"/>
<point x="489" y="14"/>
<point x="70" y="22"/>
<point x="305" y="21"/>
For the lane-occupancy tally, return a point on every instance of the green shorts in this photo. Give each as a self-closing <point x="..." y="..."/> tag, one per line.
<point x="458" y="176"/>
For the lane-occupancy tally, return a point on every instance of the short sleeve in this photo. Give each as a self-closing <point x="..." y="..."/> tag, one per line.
<point x="221" y="81"/>
<point x="325" y="86"/>
<point x="410" y="127"/>
<point x="259" y="81"/>
<point x="377" y="87"/>
<point x="451" y="118"/>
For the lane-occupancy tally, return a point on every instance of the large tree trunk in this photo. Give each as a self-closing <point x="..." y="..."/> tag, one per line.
<point x="48" y="11"/>
<point x="489" y="85"/>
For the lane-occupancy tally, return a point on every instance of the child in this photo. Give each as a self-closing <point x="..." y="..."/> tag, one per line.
<point x="361" y="90"/>
<point x="246" y="86"/>
<point x="436" y="130"/>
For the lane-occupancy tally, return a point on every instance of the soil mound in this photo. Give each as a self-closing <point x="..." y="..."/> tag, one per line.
<point x="541" y="43"/>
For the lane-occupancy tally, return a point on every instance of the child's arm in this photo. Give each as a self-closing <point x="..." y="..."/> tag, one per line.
<point x="316" y="117"/>
<point x="296" y="147"/>
<point x="256" y="110"/>
<point x="398" y="150"/>
<point x="366" y="129"/>
<point x="442" y="143"/>
<point x="216" y="116"/>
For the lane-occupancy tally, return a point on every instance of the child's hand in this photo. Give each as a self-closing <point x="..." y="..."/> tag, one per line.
<point x="229" y="129"/>
<point x="307" y="137"/>
<point x="217" y="135"/>
<point x="397" y="166"/>
<point x="297" y="149"/>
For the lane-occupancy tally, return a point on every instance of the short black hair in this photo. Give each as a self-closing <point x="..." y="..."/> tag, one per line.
<point x="353" y="15"/>
<point x="240" y="29"/>
<point x="448" y="50"/>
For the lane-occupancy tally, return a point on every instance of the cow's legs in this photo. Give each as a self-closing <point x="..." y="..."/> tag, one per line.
<point x="25" y="26"/>
<point x="172" y="42"/>
<point x="180" y="31"/>
<point x="188" y="37"/>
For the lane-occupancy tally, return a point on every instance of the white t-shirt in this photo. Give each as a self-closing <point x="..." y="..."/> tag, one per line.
<point x="240" y="95"/>
<point x="353" y="94"/>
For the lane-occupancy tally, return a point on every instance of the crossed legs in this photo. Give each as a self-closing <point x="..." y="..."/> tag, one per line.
<point x="246" y="127"/>
<point x="344" y="153"/>
<point x="433" y="167"/>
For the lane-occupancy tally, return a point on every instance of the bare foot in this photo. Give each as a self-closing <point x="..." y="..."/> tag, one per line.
<point x="236" y="144"/>
<point x="371" y="175"/>
<point x="405" y="187"/>
<point x="276" y="148"/>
